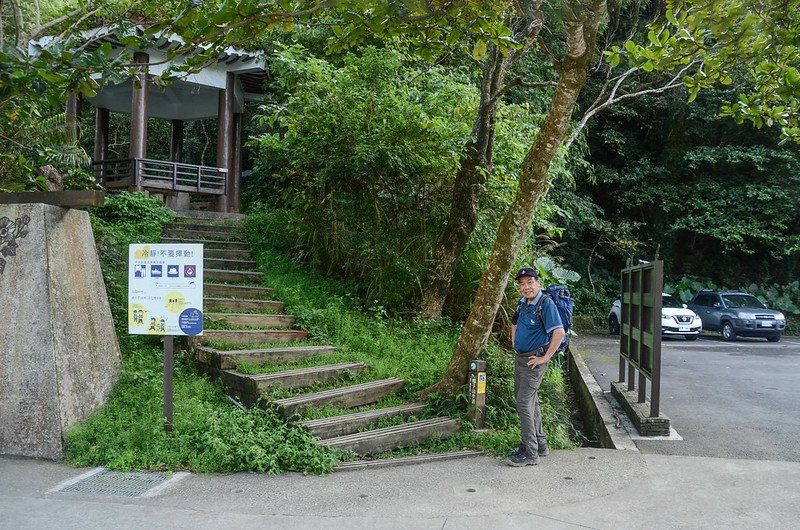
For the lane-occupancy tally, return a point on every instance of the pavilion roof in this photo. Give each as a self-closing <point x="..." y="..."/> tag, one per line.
<point x="194" y="96"/>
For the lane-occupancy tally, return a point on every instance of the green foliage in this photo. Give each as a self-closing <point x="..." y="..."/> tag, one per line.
<point x="414" y="350"/>
<point x="125" y="218"/>
<point x="33" y="92"/>
<point x="719" y="41"/>
<point x="697" y="188"/>
<point x="363" y="159"/>
<point x="209" y="434"/>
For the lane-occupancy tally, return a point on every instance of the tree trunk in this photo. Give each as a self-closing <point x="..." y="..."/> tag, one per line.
<point x="471" y="176"/>
<point x="581" y="22"/>
<point x="475" y="164"/>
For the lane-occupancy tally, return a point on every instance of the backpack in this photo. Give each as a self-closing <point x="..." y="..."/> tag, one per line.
<point x="564" y="304"/>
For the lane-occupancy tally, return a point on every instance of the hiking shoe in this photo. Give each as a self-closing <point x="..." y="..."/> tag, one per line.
<point x="522" y="458"/>
<point x="543" y="450"/>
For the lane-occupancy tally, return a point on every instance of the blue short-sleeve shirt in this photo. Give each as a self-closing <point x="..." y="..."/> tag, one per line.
<point x="529" y="334"/>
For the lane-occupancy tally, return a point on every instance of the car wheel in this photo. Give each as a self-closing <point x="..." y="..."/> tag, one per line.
<point x="728" y="333"/>
<point x="774" y="338"/>
<point x="613" y="325"/>
<point x="691" y="337"/>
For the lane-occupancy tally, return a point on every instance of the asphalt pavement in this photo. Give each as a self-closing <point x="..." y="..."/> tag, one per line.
<point x="724" y="399"/>
<point x="641" y="487"/>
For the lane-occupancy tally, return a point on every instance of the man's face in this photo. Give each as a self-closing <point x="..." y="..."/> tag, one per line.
<point x="529" y="287"/>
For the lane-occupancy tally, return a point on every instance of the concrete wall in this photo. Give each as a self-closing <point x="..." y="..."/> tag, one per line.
<point x="596" y="411"/>
<point x="59" y="355"/>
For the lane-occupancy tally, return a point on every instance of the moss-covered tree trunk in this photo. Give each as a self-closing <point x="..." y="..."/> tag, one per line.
<point x="467" y="186"/>
<point x="475" y="164"/>
<point x="582" y="19"/>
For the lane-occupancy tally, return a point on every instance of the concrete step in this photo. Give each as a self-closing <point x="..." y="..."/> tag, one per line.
<point x="351" y="423"/>
<point x="248" y="388"/>
<point x="388" y="438"/>
<point x="230" y="290"/>
<point x="240" y="304"/>
<point x="347" y="396"/>
<point x="228" y="264"/>
<point x="247" y="336"/>
<point x="203" y="234"/>
<point x="201" y="226"/>
<point x="210" y="216"/>
<point x="209" y="243"/>
<point x="224" y="253"/>
<point x="254" y="320"/>
<point x="222" y="275"/>
<point x="229" y="359"/>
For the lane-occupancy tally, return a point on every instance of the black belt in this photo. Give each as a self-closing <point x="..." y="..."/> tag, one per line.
<point x="538" y="352"/>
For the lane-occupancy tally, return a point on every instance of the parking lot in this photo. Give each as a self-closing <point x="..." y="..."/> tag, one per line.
<point x="725" y="399"/>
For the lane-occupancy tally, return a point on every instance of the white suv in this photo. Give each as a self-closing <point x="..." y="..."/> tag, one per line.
<point x="676" y="319"/>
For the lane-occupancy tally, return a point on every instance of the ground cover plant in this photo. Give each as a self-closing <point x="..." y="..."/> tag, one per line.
<point x="211" y="434"/>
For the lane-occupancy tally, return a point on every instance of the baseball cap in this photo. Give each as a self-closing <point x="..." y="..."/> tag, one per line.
<point x="527" y="271"/>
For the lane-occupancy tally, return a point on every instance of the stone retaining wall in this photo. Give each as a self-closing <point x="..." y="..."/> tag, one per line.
<point x="59" y="355"/>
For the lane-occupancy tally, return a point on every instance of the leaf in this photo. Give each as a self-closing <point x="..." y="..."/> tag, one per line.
<point x="479" y="51"/>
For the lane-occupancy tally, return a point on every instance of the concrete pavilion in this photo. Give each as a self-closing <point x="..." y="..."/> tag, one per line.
<point x="219" y="91"/>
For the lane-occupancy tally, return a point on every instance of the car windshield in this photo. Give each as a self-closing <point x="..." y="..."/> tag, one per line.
<point x="742" y="300"/>
<point x="670" y="301"/>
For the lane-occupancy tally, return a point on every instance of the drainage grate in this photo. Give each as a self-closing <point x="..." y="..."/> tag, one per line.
<point x="124" y="484"/>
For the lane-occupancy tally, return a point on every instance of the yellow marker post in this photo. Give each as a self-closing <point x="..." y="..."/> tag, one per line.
<point x="477" y="392"/>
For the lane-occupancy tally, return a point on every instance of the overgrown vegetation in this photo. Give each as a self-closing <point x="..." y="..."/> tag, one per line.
<point x="211" y="434"/>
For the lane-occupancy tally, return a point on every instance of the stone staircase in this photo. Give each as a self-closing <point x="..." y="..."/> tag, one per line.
<point x="245" y="321"/>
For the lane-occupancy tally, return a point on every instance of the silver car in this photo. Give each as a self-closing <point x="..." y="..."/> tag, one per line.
<point x="676" y="319"/>
<point x="737" y="313"/>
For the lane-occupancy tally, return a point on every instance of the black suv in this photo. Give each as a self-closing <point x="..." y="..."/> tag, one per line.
<point x="737" y="313"/>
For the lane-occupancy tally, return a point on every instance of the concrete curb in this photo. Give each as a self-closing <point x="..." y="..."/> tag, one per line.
<point x="597" y="412"/>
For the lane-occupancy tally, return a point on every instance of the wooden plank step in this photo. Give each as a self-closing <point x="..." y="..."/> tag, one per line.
<point x="378" y="463"/>
<point x="203" y="234"/>
<point x="209" y="243"/>
<point x="199" y="226"/>
<point x="347" y="396"/>
<point x="210" y="216"/>
<point x="224" y="253"/>
<point x="350" y="423"/>
<point x="229" y="359"/>
<point x="241" y="304"/>
<point x="228" y="264"/>
<point x="231" y="290"/>
<point x="250" y="387"/>
<point x="222" y="275"/>
<point x="388" y="438"/>
<point x="248" y="336"/>
<point x="254" y="319"/>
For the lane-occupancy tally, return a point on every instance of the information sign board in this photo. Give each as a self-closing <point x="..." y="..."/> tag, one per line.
<point x="165" y="289"/>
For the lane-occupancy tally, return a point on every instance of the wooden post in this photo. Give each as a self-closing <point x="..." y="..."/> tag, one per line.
<point x="235" y="190"/>
<point x="225" y="137"/>
<point x="73" y="112"/>
<point x="101" y="128"/>
<point x="139" y="111"/>
<point x="176" y="141"/>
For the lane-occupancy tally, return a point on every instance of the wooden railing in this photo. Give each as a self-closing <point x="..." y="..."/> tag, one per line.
<point x="160" y="175"/>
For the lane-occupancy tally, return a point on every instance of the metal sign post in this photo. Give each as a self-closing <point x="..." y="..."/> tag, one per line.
<point x="168" y="366"/>
<point x="165" y="297"/>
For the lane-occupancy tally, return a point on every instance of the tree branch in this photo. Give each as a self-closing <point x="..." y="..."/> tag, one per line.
<point x="602" y="103"/>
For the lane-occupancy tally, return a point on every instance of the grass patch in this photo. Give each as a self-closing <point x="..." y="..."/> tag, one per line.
<point x="210" y="434"/>
<point x="414" y="350"/>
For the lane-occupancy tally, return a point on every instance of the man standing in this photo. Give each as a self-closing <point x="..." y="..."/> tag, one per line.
<point x="536" y="334"/>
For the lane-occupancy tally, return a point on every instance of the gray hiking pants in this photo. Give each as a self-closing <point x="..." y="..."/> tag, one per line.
<point x="526" y="388"/>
